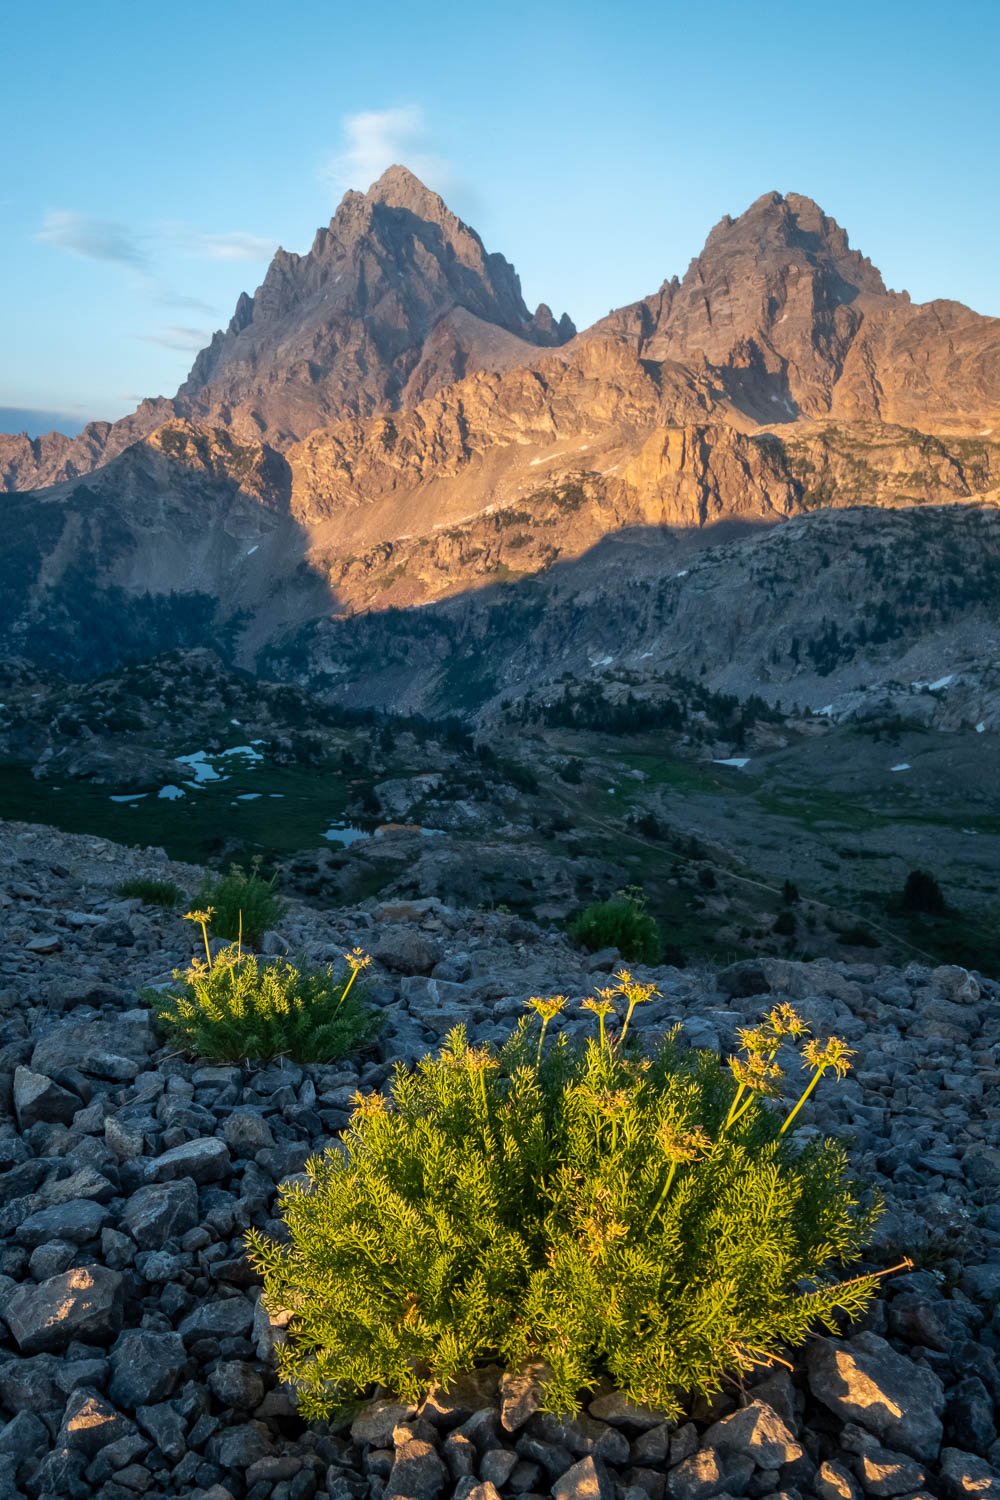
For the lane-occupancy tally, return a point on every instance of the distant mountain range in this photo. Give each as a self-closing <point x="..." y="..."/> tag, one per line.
<point x="385" y="424"/>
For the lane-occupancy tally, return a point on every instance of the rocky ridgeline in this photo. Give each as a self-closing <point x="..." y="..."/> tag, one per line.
<point x="136" y="1358"/>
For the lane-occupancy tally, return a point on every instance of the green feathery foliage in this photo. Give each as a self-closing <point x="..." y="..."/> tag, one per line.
<point x="152" y="892"/>
<point x="234" y="1006"/>
<point x="243" y="905"/>
<point x="645" y="1217"/>
<point x="622" y="923"/>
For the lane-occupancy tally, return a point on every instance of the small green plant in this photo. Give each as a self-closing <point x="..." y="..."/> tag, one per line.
<point x="231" y="1006"/>
<point x="922" y="893"/>
<point x="243" y="904"/>
<point x="152" y="892"/>
<point x="622" y="923"/>
<point x="649" y="1218"/>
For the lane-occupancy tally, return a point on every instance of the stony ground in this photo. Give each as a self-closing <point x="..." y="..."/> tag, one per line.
<point x="135" y="1358"/>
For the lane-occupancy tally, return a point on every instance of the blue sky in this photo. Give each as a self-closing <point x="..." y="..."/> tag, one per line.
<point x="153" y="156"/>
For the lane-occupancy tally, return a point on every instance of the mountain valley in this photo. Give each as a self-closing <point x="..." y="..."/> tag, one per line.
<point x="732" y="554"/>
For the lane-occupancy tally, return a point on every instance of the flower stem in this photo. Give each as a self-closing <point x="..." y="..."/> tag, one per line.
<point x="204" y="932"/>
<point x="805" y="1095"/>
<point x="665" y="1190"/>
<point x="740" y="1091"/>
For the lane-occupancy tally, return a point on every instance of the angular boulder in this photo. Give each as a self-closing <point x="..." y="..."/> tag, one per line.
<point x="83" y="1303"/>
<point x="864" y="1380"/>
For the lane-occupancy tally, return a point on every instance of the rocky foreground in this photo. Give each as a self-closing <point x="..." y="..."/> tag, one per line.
<point x="135" y="1358"/>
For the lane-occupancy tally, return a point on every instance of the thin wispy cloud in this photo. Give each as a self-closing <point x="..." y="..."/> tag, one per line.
<point x="164" y="297"/>
<point x="375" y="139"/>
<point x="187" y="340"/>
<point x="237" y="247"/>
<point x="233" y="246"/>
<point x="93" y="238"/>
<point x="110" y="240"/>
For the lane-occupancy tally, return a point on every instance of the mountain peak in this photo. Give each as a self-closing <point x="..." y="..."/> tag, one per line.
<point x="398" y="187"/>
<point x="777" y="223"/>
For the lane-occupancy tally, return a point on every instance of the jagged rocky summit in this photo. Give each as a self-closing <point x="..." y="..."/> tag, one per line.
<point x="385" y="424"/>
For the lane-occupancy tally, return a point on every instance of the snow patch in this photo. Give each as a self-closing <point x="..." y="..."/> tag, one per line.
<point x="248" y="796"/>
<point x="171" y="793"/>
<point x="980" y="728"/>
<point x="200" y="767"/>
<point x="129" y="797"/>
<point x="683" y="573"/>
<point x="602" y="661"/>
<point x="251" y="550"/>
<point x="739" y="761"/>
<point x="904" y="765"/>
<point x="344" y="834"/>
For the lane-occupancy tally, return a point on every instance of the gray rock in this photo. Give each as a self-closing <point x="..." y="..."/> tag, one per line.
<point x="75" y="1222"/>
<point x="582" y="1436"/>
<point x="474" y="1391"/>
<point x="404" y="951"/>
<point x="61" y="1474"/>
<point x="222" y="1318"/>
<point x="86" y="1182"/>
<point x="125" y="1143"/>
<point x="114" y="1051"/>
<point x="588" y="1479"/>
<point x="30" y="1384"/>
<point x="885" y="1474"/>
<point x="23" y="1436"/>
<point x="378" y="1419"/>
<point x="161" y="1212"/>
<point x="246" y="1132"/>
<point x="522" y="1393"/>
<point x="619" y="1411"/>
<point x="834" y="1481"/>
<point x="83" y="1303"/>
<point x="236" y="1384"/>
<point x="709" y="1472"/>
<point x="683" y="1443"/>
<point x="497" y="1465"/>
<point x="552" y="1457"/>
<point x="418" y="1471"/>
<point x="757" y="1430"/>
<point x="964" y="1474"/>
<point x="145" y="1367"/>
<point x="166" y="1428"/>
<point x="864" y="1380"/>
<point x="459" y="1453"/>
<point x="118" y="1459"/>
<point x="238" y="1447"/>
<point x="90" y="1423"/>
<point x="468" y="1489"/>
<point x="48" y="943"/>
<point x="117" y="1249"/>
<point x="37" y="1098"/>
<point x="969" y="1423"/>
<point x="653" y="1445"/>
<point x="982" y="1283"/>
<point x="203" y="1160"/>
<point x="52" y="1259"/>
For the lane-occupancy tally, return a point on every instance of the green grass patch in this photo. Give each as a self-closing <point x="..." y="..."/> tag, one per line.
<point x="242" y="905"/>
<point x="291" y="807"/>
<point x="152" y="892"/>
